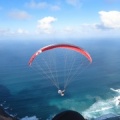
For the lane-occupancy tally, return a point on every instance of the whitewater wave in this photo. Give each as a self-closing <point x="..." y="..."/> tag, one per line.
<point x="103" y="107"/>
<point x="99" y="108"/>
<point x="30" y="118"/>
<point x="115" y="90"/>
<point x="117" y="101"/>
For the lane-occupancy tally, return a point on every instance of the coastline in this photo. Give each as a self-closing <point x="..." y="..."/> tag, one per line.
<point x="5" y="116"/>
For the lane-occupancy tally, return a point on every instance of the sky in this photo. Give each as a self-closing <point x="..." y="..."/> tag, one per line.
<point x="36" y="19"/>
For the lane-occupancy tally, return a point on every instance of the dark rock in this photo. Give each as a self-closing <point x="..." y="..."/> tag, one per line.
<point x="5" y="116"/>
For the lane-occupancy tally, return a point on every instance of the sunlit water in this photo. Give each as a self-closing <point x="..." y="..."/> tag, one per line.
<point x="26" y="93"/>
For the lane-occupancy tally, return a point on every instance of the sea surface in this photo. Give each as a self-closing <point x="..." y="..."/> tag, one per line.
<point x="28" y="93"/>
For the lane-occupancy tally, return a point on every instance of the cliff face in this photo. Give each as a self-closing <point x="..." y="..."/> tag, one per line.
<point x="5" y="116"/>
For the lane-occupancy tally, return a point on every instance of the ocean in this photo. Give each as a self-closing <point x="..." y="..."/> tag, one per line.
<point x="93" y="90"/>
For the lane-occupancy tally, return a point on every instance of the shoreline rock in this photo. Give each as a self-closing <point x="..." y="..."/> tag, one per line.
<point x="5" y="116"/>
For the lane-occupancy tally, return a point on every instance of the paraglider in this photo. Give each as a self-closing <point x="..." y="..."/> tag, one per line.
<point x="54" y="47"/>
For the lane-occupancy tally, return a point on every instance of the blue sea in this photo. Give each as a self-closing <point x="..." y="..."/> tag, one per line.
<point x="27" y="93"/>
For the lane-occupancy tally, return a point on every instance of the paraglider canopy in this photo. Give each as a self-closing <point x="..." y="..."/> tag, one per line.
<point x="66" y="46"/>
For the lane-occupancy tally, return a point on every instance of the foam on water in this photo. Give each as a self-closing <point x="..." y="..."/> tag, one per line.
<point x="115" y="90"/>
<point x="29" y="118"/>
<point x="99" y="108"/>
<point x="103" y="107"/>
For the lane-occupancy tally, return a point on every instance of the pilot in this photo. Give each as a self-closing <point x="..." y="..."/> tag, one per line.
<point x="61" y="92"/>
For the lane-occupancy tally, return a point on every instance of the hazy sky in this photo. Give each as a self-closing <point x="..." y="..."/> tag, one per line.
<point x="59" y="18"/>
